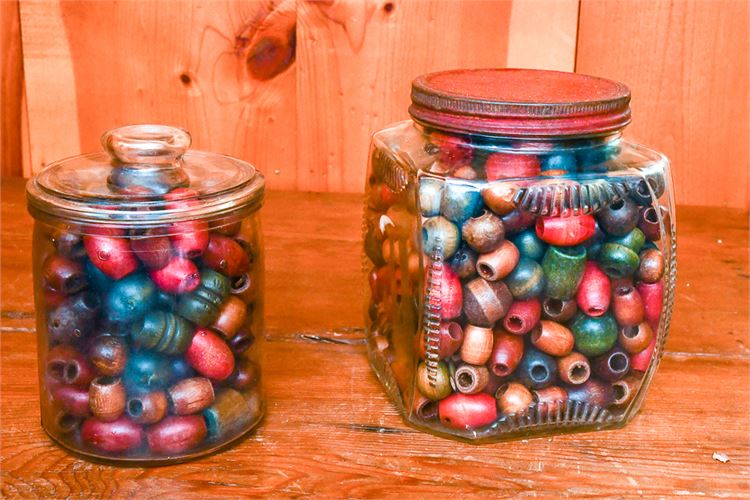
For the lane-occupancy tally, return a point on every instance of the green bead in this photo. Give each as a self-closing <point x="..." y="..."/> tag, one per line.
<point x="594" y="336"/>
<point x="618" y="261"/>
<point x="563" y="268"/>
<point x="216" y="282"/>
<point x="163" y="332"/>
<point x="146" y="371"/>
<point x="529" y="245"/>
<point x="130" y="298"/>
<point x="526" y="280"/>
<point x="201" y="306"/>
<point x="634" y="240"/>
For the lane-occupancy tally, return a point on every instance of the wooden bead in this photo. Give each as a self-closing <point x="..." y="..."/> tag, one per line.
<point x="73" y="400"/>
<point x="483" y="233"/>
<point x="652" y="295"/>
<point x="439" y="235"/>
<point x="627" y="306"/>
<point x="467" y="411"/>
<point x="526" y="280"/>
<point x="114" y="437"/>
<point x="574" y="369"/>
<point x="450" y="293"/>
<point x="130" y="298"/>
<point x="108" y="354"/>
<point x="78" y="371"/>
<point x="498" y="197"/>
<point x="618" y="261"/>
<point x="460" y="202"/>
<point x="648" y="222"/>
<point x="180" y="275"/>
<point x="146" y="371"/>
<point x="593" y="391"/>
<point x="471" y="379"/>
<point x="430" y="195"/>
<point x="176" y="434"/>
<point x="74" y="319"/>
<point x="202" y="305"/>
<point x="424" y="408"/>
<point x="244" y="287"/>
<point x="550" y="399"/>
<point x="594" y="336"/>
<point x="477" y="345"/>
<point x="162" y="332"/>
<point x="537" y="369"/>
<point x="485" y="302"/>
<point x="612" y="365"/>
<point x="451" y="149"/>
<point x="513" y="399"/>
<point x="565" y="231"/>
<point x="594" y="244"/>
<point x="152" y="247"/>
<point x="498" y="264"/>
<point x="189" y="238"/>
<point x="232" y="413"/>
<point x="191" y="395"/>
<point x="563" y="268"/>
<point x="60" y="357"/>
<point x="241" y="341"/>
<point x="651" y="267"/>
<point x="507" y="351"/>
<point x="67" y="244"/>
<point x="641" y="192"/>
<point x="209" y="355"/>
<point x="593" y="295"/>
<point x="552" y="338"/>
<point x="529" y="245"/>
<point x="517" y="221"/>
<point x="634" y="240"/>
<point x="64" y="423"/>
<point x="226" y="256"/>
<point x="522" y="316"/>
<point x="510" y="165"/>
<point x="147" y="408"/>
<point x="232" y="315"/>
<point x="635" y="339"/>
<point x="641" y="361"/>
<point x="558" y="310"/>
<point x="179" y="369"/>
<point x="107" y="398"/>
<point x="447" y="341"/>
<point x="464" y="262"/>
<point x="64" y="275"/>
<point x="619" y="218"/>
<point x="110" y="253"/>
<point x="246" y="375"/>
<point x="625" y="390"/>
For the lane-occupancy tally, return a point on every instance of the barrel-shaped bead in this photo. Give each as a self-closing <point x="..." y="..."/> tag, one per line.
<point x="176" y="434"/>
<point x="202" y="305"/>
<point x="593" y="295"/>
<point x="430" y="196"/>
<point x="550" y="399"/>
<point x="648" y="222"/>
<point x="111" y="253"/>
<point x="641" y="361"/>
<point x="64" y="275"/>
<point x="107" y="398"/>
<point x="497" y="264"/>
<point x="618" y="261"/>
<point x="108" y="354"/>
<point x="509" y="165"/>
<point x="445" y="343"/>
<point x="498" y="196"/>
<point x="147" y="408"/>
<point x="522" y="316"/>
<point x="189" y="238"/>
<point x="507" y="351"/>
<point x="152" y="247"/>
<point x="191" y="395"/>
<point x="471" y="379"/>
<point x="563" y="267"/>
<point x="612" y="365"/>
<point x="635" y="339"/>
<point x="485" y="302"/>
<point x="627" y="306"/>
<point x="574" y="368"/>
<point x="526" y="280"/>
<point x="652" y="295"/>
<point x="467" y="411"/>
<point x="477" y="345"/>
<point x="162" y="332"/>
<point x="180" y="275"/>
<point x="651" y="267"/>
<point x="552" y="338"/>
<point x="594" y="335"/>
<point x="225" y="255"/>
<point x="209" y="355"/>
<point x="565" y="231"/>
<point x="594" y="392"/>
<point x="558" y="310"/>
<point x="74" y="318"/>
<point x="114" y="437"/>
<point x="513" y="398"/>
<point x="440" y="236"/>
<point x="232" y="412"/>
<point x="231" y="317"/>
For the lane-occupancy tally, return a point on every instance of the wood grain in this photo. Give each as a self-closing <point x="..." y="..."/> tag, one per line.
<point x="330" y="430"/>
<point x="12" y="106"/>
<point x="686" y="63"/>
<point x="543" y="34"/>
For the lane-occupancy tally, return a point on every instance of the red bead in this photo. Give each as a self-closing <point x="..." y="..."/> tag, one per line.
<point x="209" y="355"/>
<point x="627" y="306"/>
<point x="73" y="400"/>
<point x="110" y="253"/>
<point x="118" y="436"/>
<point x="565" y="231"/>
<point x="176" y="434"/>
<point x="53" y="298"/>
<point x="467" y="411"/>
<point x="449" y="339"/>
<point x="507" y="351"/>
<point x="191" y="395"/>
<point x="179" y="276"/>
<point x="64" y="275"/>
<point x="66" y="364"/>
<point x="451" y="296"/>
<point x="652" y="295"/>
<point x="226" y="256"/>
<point x="451" y="149"/>
<point x="639" y="362"/>
<point x="507" y="165"/>
<point x="594" y="290"/>
<point x="190" y="238"/>
<point x="152" y="247"/>
<point x="522" y="316"/>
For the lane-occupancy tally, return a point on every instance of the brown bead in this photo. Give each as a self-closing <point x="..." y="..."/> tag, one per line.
<point x="552" y="338"/>
<point x="66" y="364"/>
<point x="425" y="408"/>
<point x="107" y="398"/>
<point x="507" y="351"/>
<point x="232" y="412"/>
<point x="191" y="395"/>
<point x="485" y="302"/>
<point x="225" y="255"/>
<point x="627" y="306"/>
<point x="439" y="387"/>
<point x="513" y="398"/>
<point x="108" y="354"/>
<point x="176" y="434"/>
<point x="245" y="287"/>
<point x="148" y="408"/>
<point x="651" y="268"/>
<point x="574" y="368"/>
<point x="499" y="197"/>
<point x="241" y="341"/>
<point x="561" y="311"/>
<point x="498" y="264"/>
<point x="635" y="339"/>
<point x="447" y="341"/>
<point x="246" y="375"/>
<point x="648" y="222"/>
<point x="625" y="390"/>
<point x="549" y="399"/>
<point x="471" y="379"/>
<point x="65" y="423"/>
<point x="484" y="233"/>
<point x="64" y="275"/>
<point x="593" y="391"/>
<point x="232" y="315"/>
<point x="477" y="345"/>
<point x="69" y="245"/>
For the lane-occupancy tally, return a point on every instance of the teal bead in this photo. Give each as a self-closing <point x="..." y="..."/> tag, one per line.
<point x="460" y="202"/>
<point x="430" y="196"/>
<point x="130" y="298"/>
<point x="526" y="280"/>
<point x="99" y="281"/>
<point x="201" y="306"/>
<point x="618" y="261"/>
<point x="163" y="332"/>
<point x="146" y="371"/>
<point x="634" y="240"/>
<point x="594" y="336"/>
<point x="529" y="245"/>
<point x="440" y="233"/>
<point x="563" y="268"/>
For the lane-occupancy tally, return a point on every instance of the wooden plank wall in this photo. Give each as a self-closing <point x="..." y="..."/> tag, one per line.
<point x="298" y="86"/>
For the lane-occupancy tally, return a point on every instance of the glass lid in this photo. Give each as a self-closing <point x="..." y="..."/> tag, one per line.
<point x="138" y="181"/>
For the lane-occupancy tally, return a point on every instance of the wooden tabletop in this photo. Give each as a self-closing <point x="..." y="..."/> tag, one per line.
<point x="330" y="431"/>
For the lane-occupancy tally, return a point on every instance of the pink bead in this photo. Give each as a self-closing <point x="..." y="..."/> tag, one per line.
<point x="594" y="291"/>
<point x="639" y="362"/>
<point x="652" y="295"/>
<point x="508" y="165"/>
<point x="522" y="316"/>
<point x="209" y="355"/>
<point x="450" y="294"/>
<point x="467" y="411"/>
<point x="179" y="276"/>
<point x="565" y="231"/>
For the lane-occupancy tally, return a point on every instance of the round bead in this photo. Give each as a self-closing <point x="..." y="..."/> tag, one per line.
<point x="74" y="318"/>
<point x="530" y="245"/>
<point x="147" y="408"/>
<point x="635" y="339"/>
<point x="483" y="233"/>
<point x="526" y="280"/>
<point x="618" y="261"/>
<point x="558" y="163"/>
<point x="146" y="371"/>
<point x="594" y="335"/>
<point x="537" y="369"/>
<point x="499" y="197"/>
<point x="464" y="262"/>
<point x="634" y="240"/>
<point x="558" y="310"/>
<point x="619" y="218"/>
<point x="108" y="354"/>
<point x="651" y="267"/>
<point x="130" y="298"/>
<point x="574" y="368"/>
<point x="612" y="365"/>
<point x="439" y="235"/>
<point x="496" y="265"/>
<point x="471" y="379"/>
<point x="460" y="202"/>
<point x="485" y="302"/>
<point x="513" y="398"/>
<point x="430" y="195"/>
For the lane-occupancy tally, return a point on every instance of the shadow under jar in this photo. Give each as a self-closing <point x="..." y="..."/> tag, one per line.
<point x="520" y="256"/>
<point x="148" y="276"/>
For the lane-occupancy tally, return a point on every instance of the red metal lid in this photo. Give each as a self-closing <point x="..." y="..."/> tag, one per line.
<point x="519" y="102"/>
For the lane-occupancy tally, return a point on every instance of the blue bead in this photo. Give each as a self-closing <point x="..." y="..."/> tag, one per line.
<point x="526" y="280"/>
<point x="594" y="244"/>
<point x="529" y="245"/>
<point x="130" y="298"/>
<point x="565" y="162"/>
<point x="537" y="370"/>
<point x="594" y="158"/>
<point x="100" y="281"/>
<point x="146" y="371"/>
<point x="460" y="202"/>
<point x="180" y="369"/>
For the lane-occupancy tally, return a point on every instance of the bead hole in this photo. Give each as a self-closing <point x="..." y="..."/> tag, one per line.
<point x="624" y="290"/>
<point x="56" y="369"/>
<point x="465" y="380"/>
<point x="71" y="371"/>
<point x="502" y="390"/>
<point x="650" y="215"/>
<point x="621" y="391"/>
<point x="618" y="362"/>
<point x="135" y="408"/>
<point x="630" y="332"/>
<point x="485" y="270"/>
<point x="554" y="306"/>
<point x="594" y="310"/>
<point x="515" y="323"/>
<point x="579" y="372"/>
<point x="500" y="369"/>
<point x="539" y="373"/>
<point x="66" y="422"/>
<point x="455" y="332"/>
<point x="617" y="205"/>
<point x="105" y="380"/>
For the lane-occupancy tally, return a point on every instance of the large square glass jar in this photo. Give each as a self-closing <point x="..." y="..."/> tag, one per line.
<point x="148" y="269"/>
<point x="520" y="256"/>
